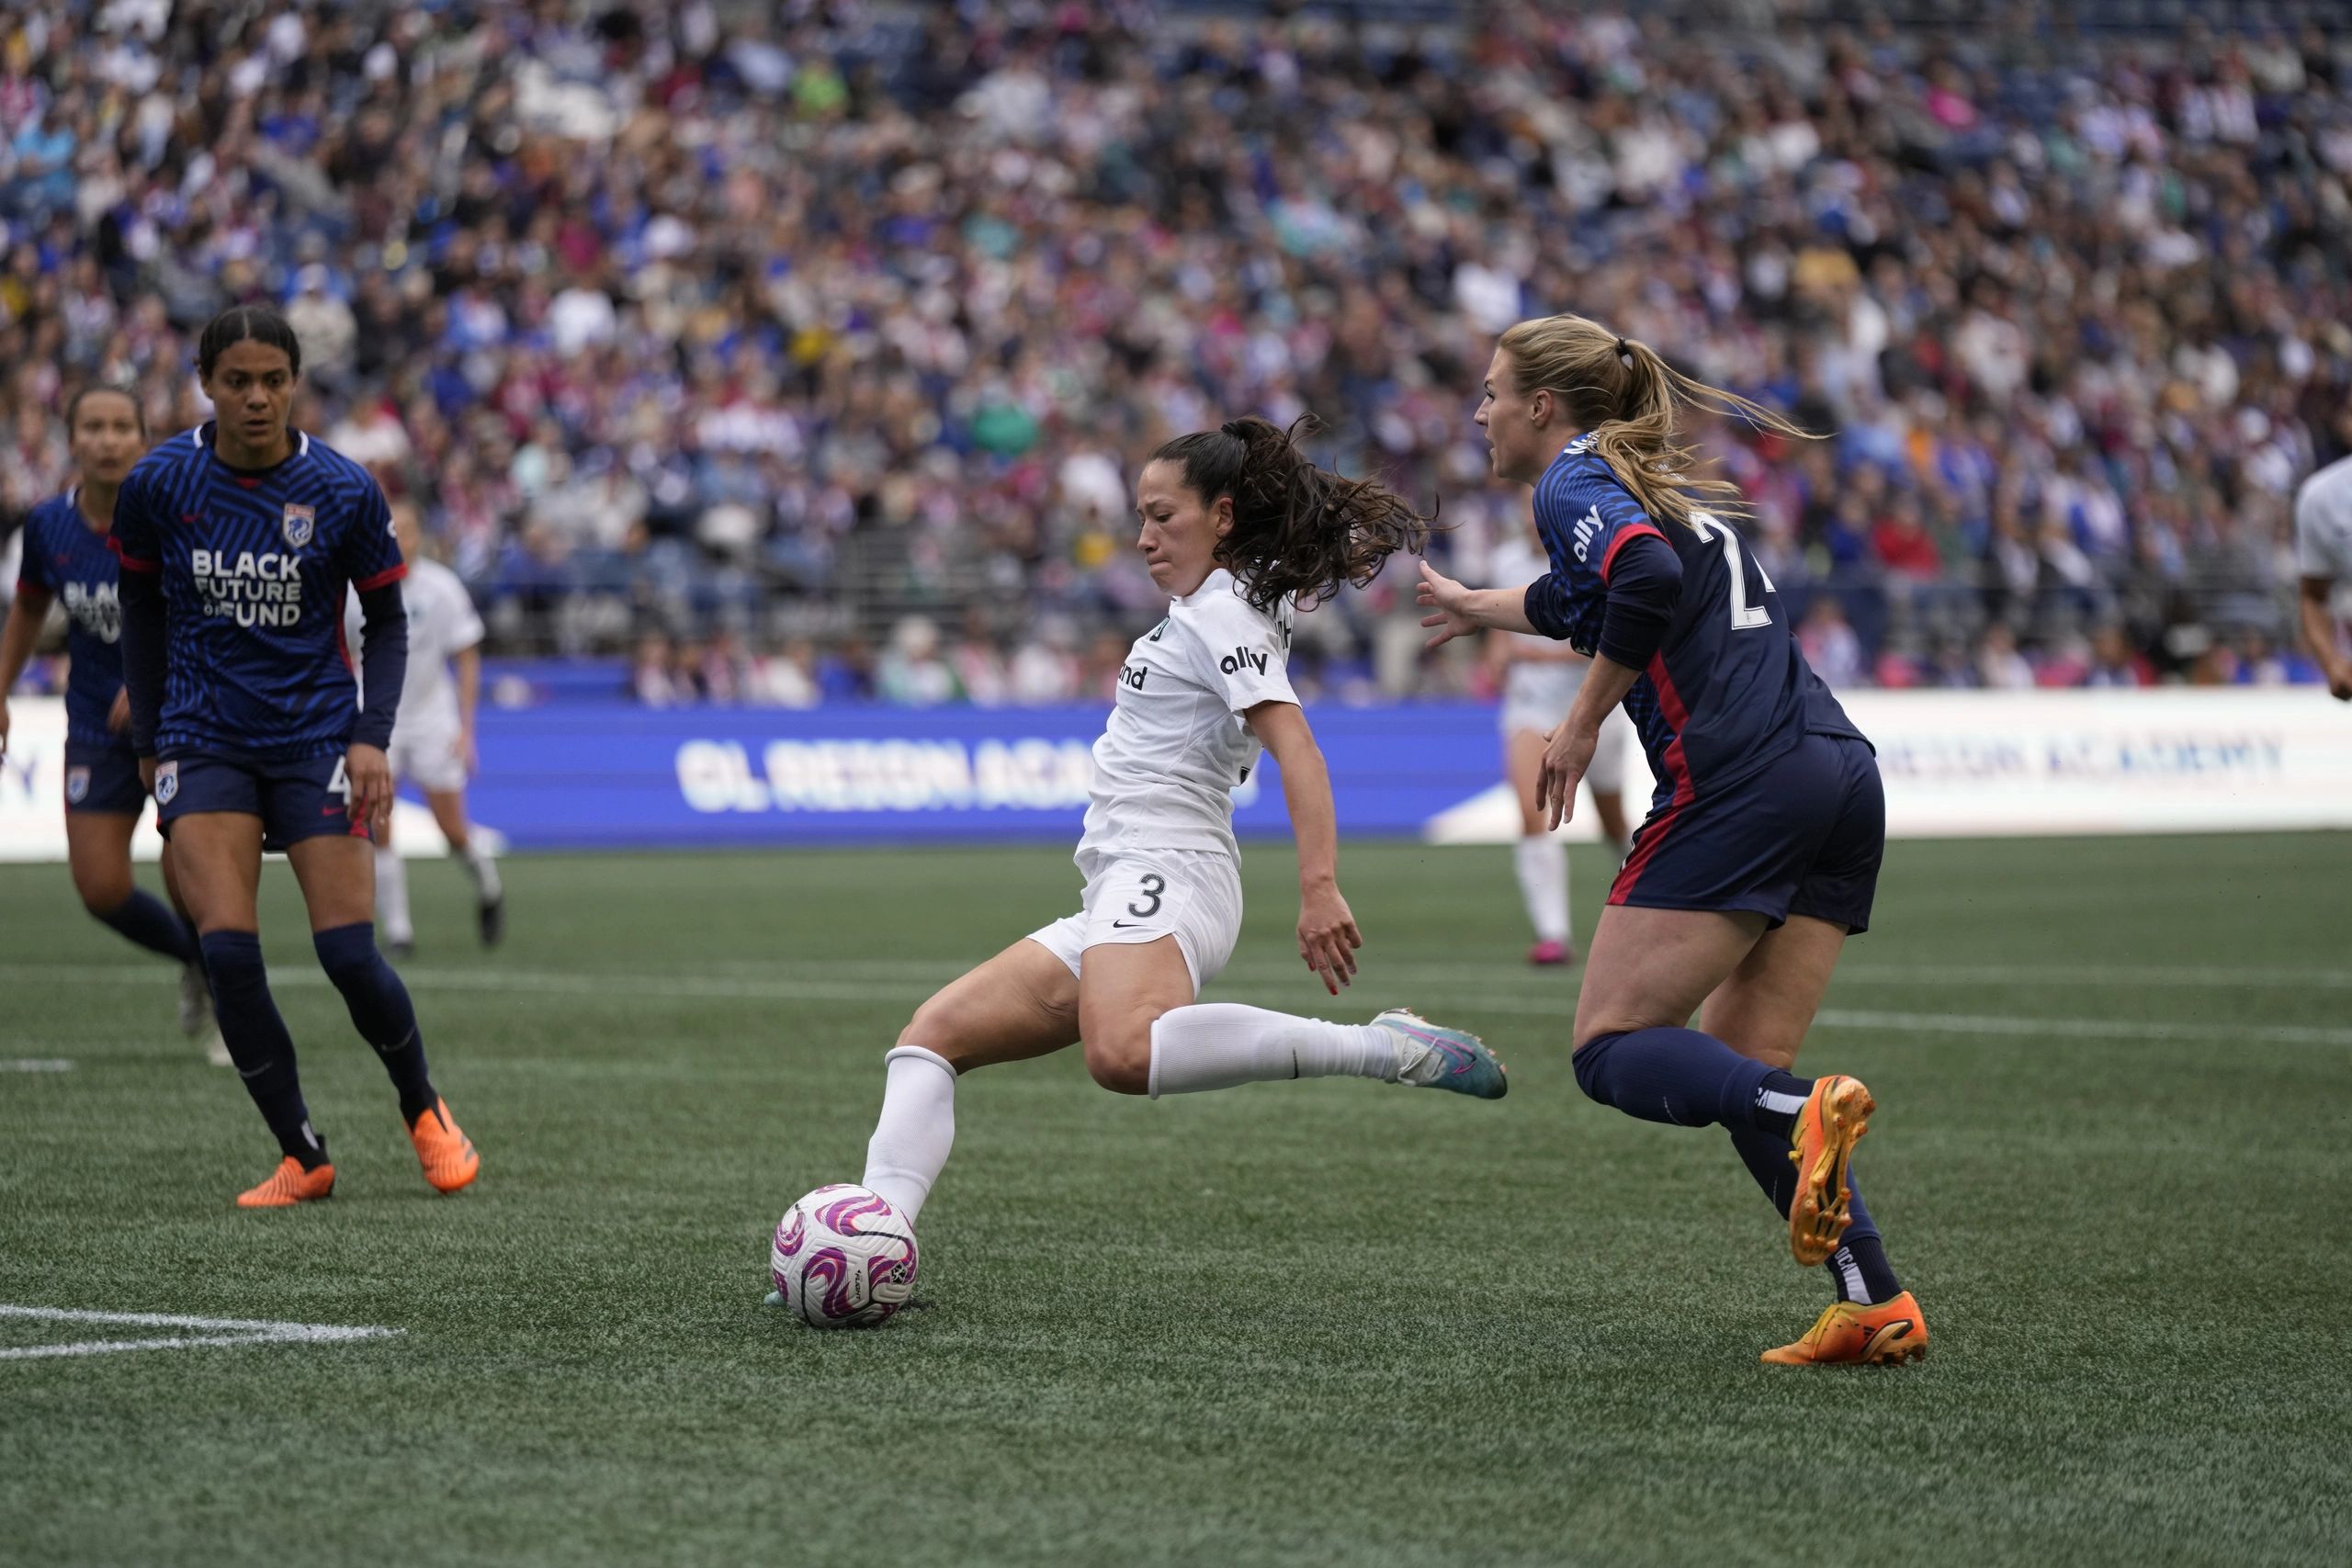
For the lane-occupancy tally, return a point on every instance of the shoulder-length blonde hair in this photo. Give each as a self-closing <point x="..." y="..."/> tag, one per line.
<point x="1625" y="398"/>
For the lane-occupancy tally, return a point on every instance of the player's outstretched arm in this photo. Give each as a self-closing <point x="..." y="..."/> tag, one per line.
<point x="24" y="617"/>
<point x="2319" y="634"/>
<point x="1457" y="611"/>
<point x="1328" y="937"/>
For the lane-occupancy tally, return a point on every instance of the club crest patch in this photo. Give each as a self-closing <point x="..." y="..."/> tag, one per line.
<point x="301" y="521"/>
<point x="167" y="782"/>
<point x="77" y="785"/>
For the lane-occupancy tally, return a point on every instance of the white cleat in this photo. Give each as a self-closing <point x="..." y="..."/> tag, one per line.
<point x="196" y="1001"/>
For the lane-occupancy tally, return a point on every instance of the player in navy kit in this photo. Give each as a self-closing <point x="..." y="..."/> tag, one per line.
<point x="1761" y="854"/>
<point x="66" y="560"/>
<point x="237" y="541"/>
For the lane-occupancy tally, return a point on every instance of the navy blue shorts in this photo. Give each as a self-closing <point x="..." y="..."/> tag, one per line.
<point x="100" y="777"/>
<point x="294" y="800"/>
<point x="1803" y="837"/>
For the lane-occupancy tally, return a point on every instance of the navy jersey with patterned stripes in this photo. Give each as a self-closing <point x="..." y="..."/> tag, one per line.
<point x="254" y="568"/>
<point x="1729" y="690"/>
<point x="66" y="558"/>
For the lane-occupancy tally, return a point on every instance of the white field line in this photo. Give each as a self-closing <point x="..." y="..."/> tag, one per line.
<point x="1468" y="990"/>
<point x="213" y="1331"/>
<point x="36" y="1064"/>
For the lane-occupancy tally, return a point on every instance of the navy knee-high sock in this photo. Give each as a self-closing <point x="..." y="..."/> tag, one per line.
<point x="153" y="924"/>
<point x="257" y="1041"/>
<point x="1859" y="1269"/>
<point x="1688" y="1079"/>
<point x="379" y="1008"/>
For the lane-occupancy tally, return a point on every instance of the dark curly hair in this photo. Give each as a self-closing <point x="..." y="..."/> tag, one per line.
<point x="1298" y="531"/>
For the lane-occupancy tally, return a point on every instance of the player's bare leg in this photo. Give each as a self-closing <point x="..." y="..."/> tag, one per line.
<point x="1020" y="1003"/>
<point x="1609" y="811"/>
<point x="338" y="876"/>
<point x="98" y="848"/>
<point x="1650" y="969"/>
<point x="1540" y="860"/>
<point x="448" y="807"/>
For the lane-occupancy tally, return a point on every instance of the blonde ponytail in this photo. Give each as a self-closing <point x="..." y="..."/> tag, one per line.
<point x="1626" y="398"/>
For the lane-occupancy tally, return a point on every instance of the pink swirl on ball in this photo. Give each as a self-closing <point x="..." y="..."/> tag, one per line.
<point x="843" y="1216"/>
<point x="828" y="1268"/>
<point x="790" y="1231"/>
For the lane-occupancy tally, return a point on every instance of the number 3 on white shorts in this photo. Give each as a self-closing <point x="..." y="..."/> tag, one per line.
<point x="341" y="784"/>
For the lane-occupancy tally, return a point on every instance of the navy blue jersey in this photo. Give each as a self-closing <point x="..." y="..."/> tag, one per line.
<point x="64" y="557"/>
<point x="1729" y="689"/>
<point x="254" y="568"/>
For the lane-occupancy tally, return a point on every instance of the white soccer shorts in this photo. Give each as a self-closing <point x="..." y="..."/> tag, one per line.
<point x="427" y="753"/>
<point x="1143" y="894"/>
<point x="1607" y="774"/>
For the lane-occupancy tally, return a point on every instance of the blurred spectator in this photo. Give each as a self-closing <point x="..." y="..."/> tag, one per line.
<point x="870" y="312"/>
<point x="911" y="673"/>
<point x="1831" y="645"/>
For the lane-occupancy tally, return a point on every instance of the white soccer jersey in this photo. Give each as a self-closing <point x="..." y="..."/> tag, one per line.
<point x="1176" y="747"/>
<point x="442" y="624"/>
<point x="2324" y="524"/>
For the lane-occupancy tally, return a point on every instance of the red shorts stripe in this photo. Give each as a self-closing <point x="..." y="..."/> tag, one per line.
<point x="1670" y="702"/>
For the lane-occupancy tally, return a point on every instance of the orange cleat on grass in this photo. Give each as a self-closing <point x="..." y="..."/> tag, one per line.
<point x="290" y="1184"/>
<point x="1848" y="1334"/>
<point x="1836" y="1115"/>
<point x="443" y="1149"/>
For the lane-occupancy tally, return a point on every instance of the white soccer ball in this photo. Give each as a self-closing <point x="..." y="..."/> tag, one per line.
<point x="843" y="1258"/>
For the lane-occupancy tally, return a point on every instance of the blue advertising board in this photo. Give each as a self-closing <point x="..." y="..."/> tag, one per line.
<point x="613" y="774"/>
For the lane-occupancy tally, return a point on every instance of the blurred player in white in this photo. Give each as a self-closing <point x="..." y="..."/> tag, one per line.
<point x="1540" y="680"/>
<point x="433" y="740"/>
<point x="2323" y="561"/>
<point x="1236" y="527"/>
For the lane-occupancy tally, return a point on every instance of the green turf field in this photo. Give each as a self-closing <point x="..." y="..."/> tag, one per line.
<point x="1328" y="1323"/>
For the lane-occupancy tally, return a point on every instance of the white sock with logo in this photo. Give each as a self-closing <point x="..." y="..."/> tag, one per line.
<point x="392" y="895"/>
<point x="915" y="1130"/>
<point x="1219" y="1044"/>
<point x="1543" y="864"/>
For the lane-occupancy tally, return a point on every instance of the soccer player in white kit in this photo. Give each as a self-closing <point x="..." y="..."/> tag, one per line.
<point x="433" y="740"/>
<point x="1237" y="526"/>
<point x="2323" y="562"/>
<point x="1541" y="679"/>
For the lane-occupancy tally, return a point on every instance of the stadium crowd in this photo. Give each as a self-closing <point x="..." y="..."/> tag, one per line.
<point x="809" y="358"/>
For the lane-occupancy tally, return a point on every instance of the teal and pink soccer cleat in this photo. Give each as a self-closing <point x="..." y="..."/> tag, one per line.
<point x="1449" y="1058"/>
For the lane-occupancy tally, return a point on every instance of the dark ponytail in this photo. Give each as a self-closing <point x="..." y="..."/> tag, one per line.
<point x="246" y="324"/>
<point x="1298" y="531"/>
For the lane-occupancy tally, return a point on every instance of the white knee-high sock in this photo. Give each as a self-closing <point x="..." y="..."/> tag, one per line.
<point x="915" y="1130"/>
<point x="1542" y="863"/>
<point x="1219" y="1044"/>
<point x="483" y="866"/>
<point x="392" y="895"/>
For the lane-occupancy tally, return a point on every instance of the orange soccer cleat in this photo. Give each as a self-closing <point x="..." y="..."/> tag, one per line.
<point x="1836" y="1115"/>
<point x="443" y="1148"/>
<point x="1848" y="1334"/>
<point x="290" y="1184"/>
